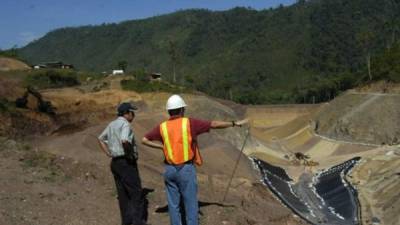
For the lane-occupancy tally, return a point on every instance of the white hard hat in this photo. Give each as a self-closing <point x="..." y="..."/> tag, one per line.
<point x="175" y="102"/>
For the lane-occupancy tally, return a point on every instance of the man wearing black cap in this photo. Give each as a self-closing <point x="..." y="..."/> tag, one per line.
<point x="118" y="142"/>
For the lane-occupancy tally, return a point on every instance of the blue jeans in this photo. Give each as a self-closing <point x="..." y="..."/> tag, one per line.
<point x="181" y="183"/>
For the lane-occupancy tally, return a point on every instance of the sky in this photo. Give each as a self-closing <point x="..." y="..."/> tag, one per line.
<point x="22" y="21"/>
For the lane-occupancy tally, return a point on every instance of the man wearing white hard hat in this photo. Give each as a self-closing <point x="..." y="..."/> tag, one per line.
<point x="177" y="137"/>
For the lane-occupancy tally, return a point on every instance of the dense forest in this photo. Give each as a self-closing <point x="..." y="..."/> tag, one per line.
<point x="307" y="52"/>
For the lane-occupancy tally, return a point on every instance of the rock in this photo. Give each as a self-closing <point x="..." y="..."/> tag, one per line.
<point x="11" y="144"/>
<point x="390" y="153"/>
<point x="375" y="221"/>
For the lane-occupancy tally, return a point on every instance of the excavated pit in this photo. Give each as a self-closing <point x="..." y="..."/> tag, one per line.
<point x="323" y="198"/>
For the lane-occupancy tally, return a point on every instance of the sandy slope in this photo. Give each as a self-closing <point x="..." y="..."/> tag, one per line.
<point x="7" y="64"/>
<point x="66" y="172"/>
<point x="362" y="117"/>
<point x="377" y="180"/>
<point x="277" y="132"/>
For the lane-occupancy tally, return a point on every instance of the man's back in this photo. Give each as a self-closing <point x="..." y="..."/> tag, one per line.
<point x="118" y="136"/>
<point x="117" y="131"/>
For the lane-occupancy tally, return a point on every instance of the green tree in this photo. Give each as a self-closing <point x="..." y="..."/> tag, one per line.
<point x="267" y="53"/>
<point x="366" y="41"/>
<point x="123" y="64"/>
<point x="386" y="66"/>
<point x="173" y="52"/>
<point x="393" y="21"/>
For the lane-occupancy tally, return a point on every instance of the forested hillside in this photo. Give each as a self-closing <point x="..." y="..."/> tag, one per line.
<point x="307" y="52"/>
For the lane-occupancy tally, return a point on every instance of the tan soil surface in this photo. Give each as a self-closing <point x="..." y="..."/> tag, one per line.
<point x="380" y="87"/>
<point x="81" y="190"/>
<point x="266" y="117"/>
<point x="63" y="178"/>
<point x="362" y="117"/>
<point x="8" y="64"/>
<point x="377" y="181"/>
<point x="10" y="88"/>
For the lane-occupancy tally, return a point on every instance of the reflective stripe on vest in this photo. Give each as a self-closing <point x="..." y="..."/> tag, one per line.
<point x="167" y="144"/>
<point x="185" y="139"/>
<point x="177" y="140"/>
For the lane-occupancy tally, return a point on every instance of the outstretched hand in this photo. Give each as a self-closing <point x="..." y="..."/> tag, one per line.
<point x="242" y="122"/>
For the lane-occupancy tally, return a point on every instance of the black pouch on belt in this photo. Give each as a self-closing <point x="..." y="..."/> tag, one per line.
<point x="130" y="152"/>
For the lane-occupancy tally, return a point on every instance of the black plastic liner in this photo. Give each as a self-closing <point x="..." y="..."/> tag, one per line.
<point x="325" y="198"/>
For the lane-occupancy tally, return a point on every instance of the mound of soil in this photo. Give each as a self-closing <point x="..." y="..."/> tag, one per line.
<point x="8" y="64"/>
<point x="64" y="169"/>
<point x="70" y="175"/>
<point x="370" y="118"/>
<point x="378" y="186"/>
<point x="10" y="88"/>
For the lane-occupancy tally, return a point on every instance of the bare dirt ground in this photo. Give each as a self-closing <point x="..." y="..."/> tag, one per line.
<point x="266" y="117"/>
<point x="377" y="182"/>
<point x="38" y="187"/>
<point x="7" y="64"/>
<point x="362" y="117"/>
<point x="59" y="176"/>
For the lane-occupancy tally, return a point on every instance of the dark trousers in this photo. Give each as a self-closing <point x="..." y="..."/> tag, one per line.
<point x="130" y="197"/>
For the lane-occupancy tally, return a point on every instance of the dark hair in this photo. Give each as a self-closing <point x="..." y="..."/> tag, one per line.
<point x="175" y="112"/>
<point x="125" y="107"/>
<point x="125" y="112"/>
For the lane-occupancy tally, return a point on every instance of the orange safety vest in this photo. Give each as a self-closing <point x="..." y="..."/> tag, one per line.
<point x="177" y="140"/>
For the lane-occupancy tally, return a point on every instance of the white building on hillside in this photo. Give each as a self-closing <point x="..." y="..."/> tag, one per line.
<point x="117" y="72"/>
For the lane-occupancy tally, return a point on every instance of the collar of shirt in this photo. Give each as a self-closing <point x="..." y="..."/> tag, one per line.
<point x="175" y="117"/>
<point x="123" y="118"/>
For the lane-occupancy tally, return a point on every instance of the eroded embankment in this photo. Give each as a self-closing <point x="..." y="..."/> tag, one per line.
<point x="325" y="198"/>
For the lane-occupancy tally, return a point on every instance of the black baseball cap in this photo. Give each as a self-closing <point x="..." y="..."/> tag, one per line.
<point x="126" y="107"/>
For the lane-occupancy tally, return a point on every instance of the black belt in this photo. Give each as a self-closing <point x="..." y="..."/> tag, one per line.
<point x="185" y="163"/>
<point x="122" y="157"/>
<point x="118" y="157"/>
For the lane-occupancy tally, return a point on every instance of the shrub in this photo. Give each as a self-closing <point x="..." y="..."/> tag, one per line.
<point x="141" y="75"/>
<point x="6" y="106"/>
<point x="386" y="66"/>
<point x="52" y="79"/>
<point x="3" y="105"/>
<point x="85" y="76"/>
<point x="143" y="86"/>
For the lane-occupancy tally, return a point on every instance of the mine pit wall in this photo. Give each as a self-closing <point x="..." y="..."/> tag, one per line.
<point x="319" y="199"/>
<point x="269" y="116"/>
<point x="370" y="118"/>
